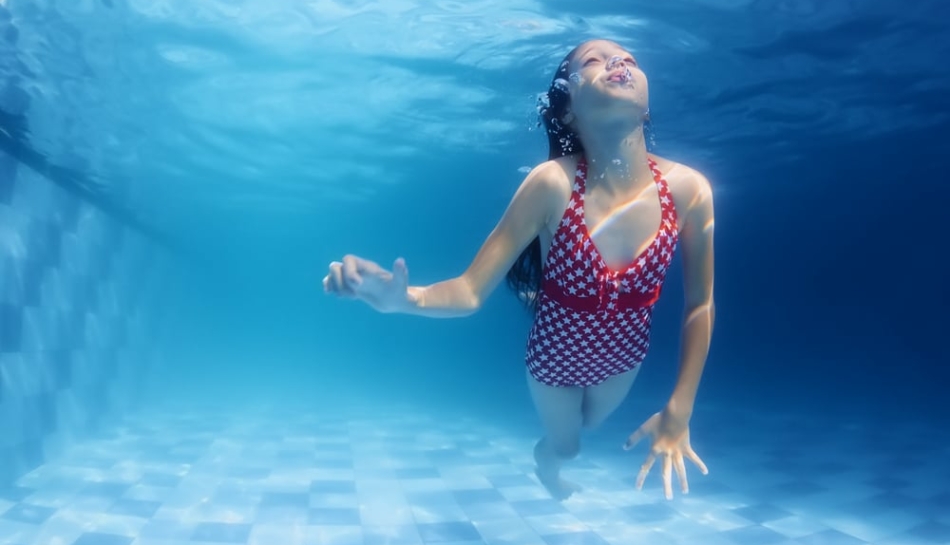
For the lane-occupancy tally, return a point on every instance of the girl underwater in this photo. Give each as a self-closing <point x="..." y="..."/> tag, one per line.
<point x="586" y="240"/>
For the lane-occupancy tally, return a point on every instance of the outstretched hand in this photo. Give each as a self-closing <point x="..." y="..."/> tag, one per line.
<point x="358" y="278"/>
<point x="670" y="440"/>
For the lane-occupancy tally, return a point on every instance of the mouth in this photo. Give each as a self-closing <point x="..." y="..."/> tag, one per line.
<point x="620" y="76"/>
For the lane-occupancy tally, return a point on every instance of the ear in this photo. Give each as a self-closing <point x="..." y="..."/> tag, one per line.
<point x="568" y="118"/>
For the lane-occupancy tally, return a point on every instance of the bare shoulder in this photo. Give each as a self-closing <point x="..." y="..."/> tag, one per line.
<point x="691" y="190"/>
<point x="549" y="184"/>
<point x="554" y="176"/>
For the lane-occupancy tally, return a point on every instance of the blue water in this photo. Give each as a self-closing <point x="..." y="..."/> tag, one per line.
<point x="176" y="176"/>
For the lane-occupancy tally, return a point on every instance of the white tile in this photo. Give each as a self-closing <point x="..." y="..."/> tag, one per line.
<point x="386" y="514"/>
<point x="882" y="525"/>
<point x="556" y="524"/>
<point x="438" y="512"/>
<point x="796" y="526"/>
<point x="17" y="533"/>
<point x="489" y="511"/>
<point x="334" y="500"/>
<point x="627" y="534"/>
<point x="508" y="531"/>
<point x="528" y="492"/>
<point x="333" y="535"/>
<point x="59" y="530"/>
<point x="392" y="535"/>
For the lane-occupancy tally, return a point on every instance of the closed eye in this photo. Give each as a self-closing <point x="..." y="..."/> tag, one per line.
<point x="590" y="61"/>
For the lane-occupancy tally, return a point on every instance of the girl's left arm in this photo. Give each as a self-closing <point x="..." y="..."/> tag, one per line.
<point x="696" y="239"/>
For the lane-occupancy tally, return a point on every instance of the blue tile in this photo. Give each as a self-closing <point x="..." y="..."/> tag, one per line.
<point x="488" y="459"/>
<point x="295" y="458"/>
<point x="942" y="500"/>
<point x="479" y="495"/>
<point x="160" y="479"/>
<point x="333" y="487"/>
<point x="7" y="474"/>
<point x="418" y="473"/>
<point x="221" y="532"/>
<point x="105" y="489"/>
<point x="31" y="514"/>
<point x="249" y="472"/>
<point x="704" y="486"/>
<point x="887" y="482"/>
<point x="8" y="171"/>
<point x="281" y="515"/>
<point x="830" y="537"/>
<point x="27" y="456"/>
<point x="574" y="538"/>
<point x="799" y="488"/>
<point x="15" y="493"/>
<point x="334" y="516"/>
<point x="95" y="538"/>
<point x="136" y="508"/>
<point x="59" y="364"/>
<point x="167" y="529"/>
<point x="390" y="535"/>
<point x="932" y="530"/>
<point x="535" y="508"/>
<point x="443" y="456"/>
<point x="334" y="463"/>
<point x="448" y="531"/>
<point x="754" y="535"/>
<point x="502" y="481"/>
<point x="283" y="499"/>
<point x="11" y="327"/>
<point x="651" y="512"/>
<point x="44" y="406"/>
<point x="893" y="500"/>
<point x="761" y="513"/>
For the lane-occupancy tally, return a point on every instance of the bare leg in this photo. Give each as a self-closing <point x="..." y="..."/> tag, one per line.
<point x="603" y="399"/>
<point x="559" y="409"/>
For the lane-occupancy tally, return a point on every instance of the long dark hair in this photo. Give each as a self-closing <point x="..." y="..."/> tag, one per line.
<point x="524" y="277"/>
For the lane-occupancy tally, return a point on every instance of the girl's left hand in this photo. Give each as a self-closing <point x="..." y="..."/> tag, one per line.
<point x="671" y="441"/>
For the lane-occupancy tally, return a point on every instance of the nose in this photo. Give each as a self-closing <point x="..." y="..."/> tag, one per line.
<point x="615" y="62"/>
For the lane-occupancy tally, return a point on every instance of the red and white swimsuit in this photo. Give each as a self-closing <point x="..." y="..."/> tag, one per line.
<point x="592" y="322"/>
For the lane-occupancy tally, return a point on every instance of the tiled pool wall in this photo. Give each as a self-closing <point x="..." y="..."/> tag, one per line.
<point x="78" y="317"/>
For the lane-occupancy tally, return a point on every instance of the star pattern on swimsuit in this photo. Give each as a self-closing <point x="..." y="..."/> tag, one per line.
<point x="585" y="328"/>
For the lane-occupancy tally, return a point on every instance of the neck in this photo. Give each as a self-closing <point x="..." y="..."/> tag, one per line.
<point x="617" y="158"/>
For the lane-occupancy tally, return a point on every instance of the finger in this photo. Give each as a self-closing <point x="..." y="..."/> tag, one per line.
<point x="668" y="476"/>
<point x="645" y="429"/>
<point x="680" y="468"/>
<point x="336" y="283"/>
<point x="645" y="469"/>
<point x="401" y="274"/>
<point x="696" y="460"/>
<point x="351" y="271"/>
<point x="635" y="438"/>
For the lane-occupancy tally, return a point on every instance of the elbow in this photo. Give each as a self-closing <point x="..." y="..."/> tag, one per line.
<point x="701" y="309"/>
<point x="472" y="305"/>
<point x="472" y="298"/>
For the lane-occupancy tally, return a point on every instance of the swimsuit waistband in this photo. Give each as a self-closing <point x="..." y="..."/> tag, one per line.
<point x="624" y="300"/>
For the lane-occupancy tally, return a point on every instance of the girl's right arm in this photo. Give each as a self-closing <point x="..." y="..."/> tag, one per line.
<point x="540" y="196"/>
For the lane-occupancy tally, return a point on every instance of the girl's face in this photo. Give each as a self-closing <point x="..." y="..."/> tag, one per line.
<point x="605" y="80"/>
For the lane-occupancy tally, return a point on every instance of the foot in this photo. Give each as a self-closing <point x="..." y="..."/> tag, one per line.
<point x="548" y="473"/>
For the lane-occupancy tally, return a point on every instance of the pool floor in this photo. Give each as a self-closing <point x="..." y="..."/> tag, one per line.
<point x="414" y="475"/>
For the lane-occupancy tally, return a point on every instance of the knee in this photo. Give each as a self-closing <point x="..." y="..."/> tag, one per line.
<point x="566" y="449"/>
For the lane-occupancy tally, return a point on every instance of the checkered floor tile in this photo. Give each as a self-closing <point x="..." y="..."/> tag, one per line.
<point x="411" y="476"/>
